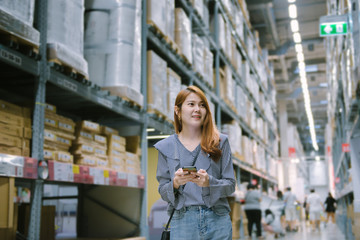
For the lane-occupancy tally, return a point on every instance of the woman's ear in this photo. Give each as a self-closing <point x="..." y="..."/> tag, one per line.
<point x="176" y="109"/>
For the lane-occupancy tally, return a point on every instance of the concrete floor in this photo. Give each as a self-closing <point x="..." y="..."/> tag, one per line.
<point x="330" y="232"/>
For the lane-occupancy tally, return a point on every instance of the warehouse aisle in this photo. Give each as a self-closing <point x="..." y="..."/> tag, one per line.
<point x="331" y="232"/>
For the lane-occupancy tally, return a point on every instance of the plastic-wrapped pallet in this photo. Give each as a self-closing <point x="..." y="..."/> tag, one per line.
<point x="65" y="33"/>
<point x="113" y="46"/>
<point x="230" y="86"/>
<point x="199" y="7"/>
<point x="174" y="87"/>
<point x="157" y="84"/>
<point x="239" y="20"/>
<point x="222" y="31"/>
<point x="156" y="14"/>
<point x="198" y="53"/>
<point x="233" y="130"/>
<point x="247" y="149"/>
<point x="208" y="66"/>
<point x="17" y="18"/>
<point x="170" y="19"/>
<point x="241" y="102"/>
<point x="23" y="10"/>
<point x="183" y="33"/>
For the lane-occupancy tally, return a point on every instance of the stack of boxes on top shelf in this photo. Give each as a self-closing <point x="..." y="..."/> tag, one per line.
<point x="15" y="129"/>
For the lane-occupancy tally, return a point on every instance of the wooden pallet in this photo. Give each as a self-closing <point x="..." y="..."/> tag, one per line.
<point x="173" y="45"/>
<point x="21" y="44"/>
<point x="69" y="70"/>
<point x="157" y="113"/>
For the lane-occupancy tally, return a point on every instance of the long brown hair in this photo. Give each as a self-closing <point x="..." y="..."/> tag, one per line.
<point x="210" y="136"/>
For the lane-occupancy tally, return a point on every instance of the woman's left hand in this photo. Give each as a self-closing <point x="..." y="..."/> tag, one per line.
<point x="201" y="178"/>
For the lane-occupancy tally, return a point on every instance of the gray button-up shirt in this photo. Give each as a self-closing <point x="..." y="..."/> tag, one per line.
<point x="173" y="155"/>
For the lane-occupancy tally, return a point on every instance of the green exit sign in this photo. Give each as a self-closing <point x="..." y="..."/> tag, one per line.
<point x="331" y="25"/>
<point x="329" y="29"/>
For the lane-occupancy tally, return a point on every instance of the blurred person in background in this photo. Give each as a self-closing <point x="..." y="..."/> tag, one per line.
<point x="272" y="224"/>
<point x="330" y="209"/>
<point x="315" y="206"/>
<point x="290" y="210"/>
<point x="280" y="198"/>
<point x="253" y="210"/>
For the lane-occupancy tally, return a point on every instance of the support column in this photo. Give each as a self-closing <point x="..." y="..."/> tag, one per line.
<point x="284" y="148"/>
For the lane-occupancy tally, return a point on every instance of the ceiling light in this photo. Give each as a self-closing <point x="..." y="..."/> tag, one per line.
<point x="157" y="136"/>
<point x="324" y="84"/>
<point x="291" y="1"/>
<point x="292" y="11"/>
<point x="294" y="25"/>
<point x="150" y="129"/>
<point x="297" y="37"/>
<point x="298" y="47"/>
<point x="300" y="57"/>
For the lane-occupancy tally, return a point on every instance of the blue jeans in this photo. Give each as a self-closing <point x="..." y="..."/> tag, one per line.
<point x="200" y="223"/>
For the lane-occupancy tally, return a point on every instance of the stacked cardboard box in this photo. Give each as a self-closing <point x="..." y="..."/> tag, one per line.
<point x="58" y="136"/>
<point x="15" y="129"/>
<point x="89" y="147"/>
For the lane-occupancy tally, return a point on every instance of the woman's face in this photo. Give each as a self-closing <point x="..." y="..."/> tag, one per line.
<point x="193" y="111"/>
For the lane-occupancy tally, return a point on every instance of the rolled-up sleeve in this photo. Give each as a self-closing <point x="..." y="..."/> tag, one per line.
<point x="225" y="186"/>
<point x="166" y="187"/>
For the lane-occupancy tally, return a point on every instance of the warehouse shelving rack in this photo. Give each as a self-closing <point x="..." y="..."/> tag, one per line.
<point x="82" y="99"/>
<point x="345" y="122"/>
<point x="179" y="65"/>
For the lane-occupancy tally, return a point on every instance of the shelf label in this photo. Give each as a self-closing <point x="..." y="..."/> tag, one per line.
<point x="105" y="102"/>
<point x="345" y="147"/>
<point x="10" y="57"/>
<point x="132" y="180"/>
<point x="106" y="173"/>
<point x="67" y="84"/>
<point x="76" y="169"/>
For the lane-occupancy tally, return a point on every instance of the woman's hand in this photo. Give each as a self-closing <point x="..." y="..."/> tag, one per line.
<point x="181" y="178"/>
<point x="201" y="178"/>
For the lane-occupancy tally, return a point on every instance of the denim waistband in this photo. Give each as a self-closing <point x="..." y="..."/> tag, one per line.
<point x="194" y="208"/>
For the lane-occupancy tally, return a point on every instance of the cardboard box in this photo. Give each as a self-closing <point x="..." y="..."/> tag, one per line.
<point x="108" y="131"/>
<point x="10" y="140"/>
<point x="7" y="194"/>
<point x="11" y="108"/>
<point x="11" y="119"/>
<point x="11" y="130"/>
<point x="88" y="126"/>
<point x="133" y="144"/>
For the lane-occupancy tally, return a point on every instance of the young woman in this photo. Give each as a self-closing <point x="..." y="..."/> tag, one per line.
<point x="202" y="209"/>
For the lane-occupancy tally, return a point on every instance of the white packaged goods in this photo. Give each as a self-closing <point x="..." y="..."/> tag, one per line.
<point x="208" y="66"/>
<point x="174" y="87"/>
<point x="198" y="53"/>
<point x="234" y="133"/>
<point x="239" y="19"/>
<point x="241" y="101"/>
<point x="199" y="7"/>
<point x="183" y="33"/>
<point x="170" y="19"/>
<point x="157" y="83"/>
<point x="23" y="10"/>
<point x="115" y="56"/>
<point x="65" y="33"/>
<point x="230" y="85"/>
<point x="222" y="31"/>
<point x="11" y="23"/>
<point x="156" y="14"/>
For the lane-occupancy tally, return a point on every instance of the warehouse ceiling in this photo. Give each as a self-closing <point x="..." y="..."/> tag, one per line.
<point x="271" y="19"/>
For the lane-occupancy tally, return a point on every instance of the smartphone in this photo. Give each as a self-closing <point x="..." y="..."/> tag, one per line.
<point x="189" y="169"/>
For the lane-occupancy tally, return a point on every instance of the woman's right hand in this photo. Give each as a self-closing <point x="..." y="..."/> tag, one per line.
<point x="181" y="178"/>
